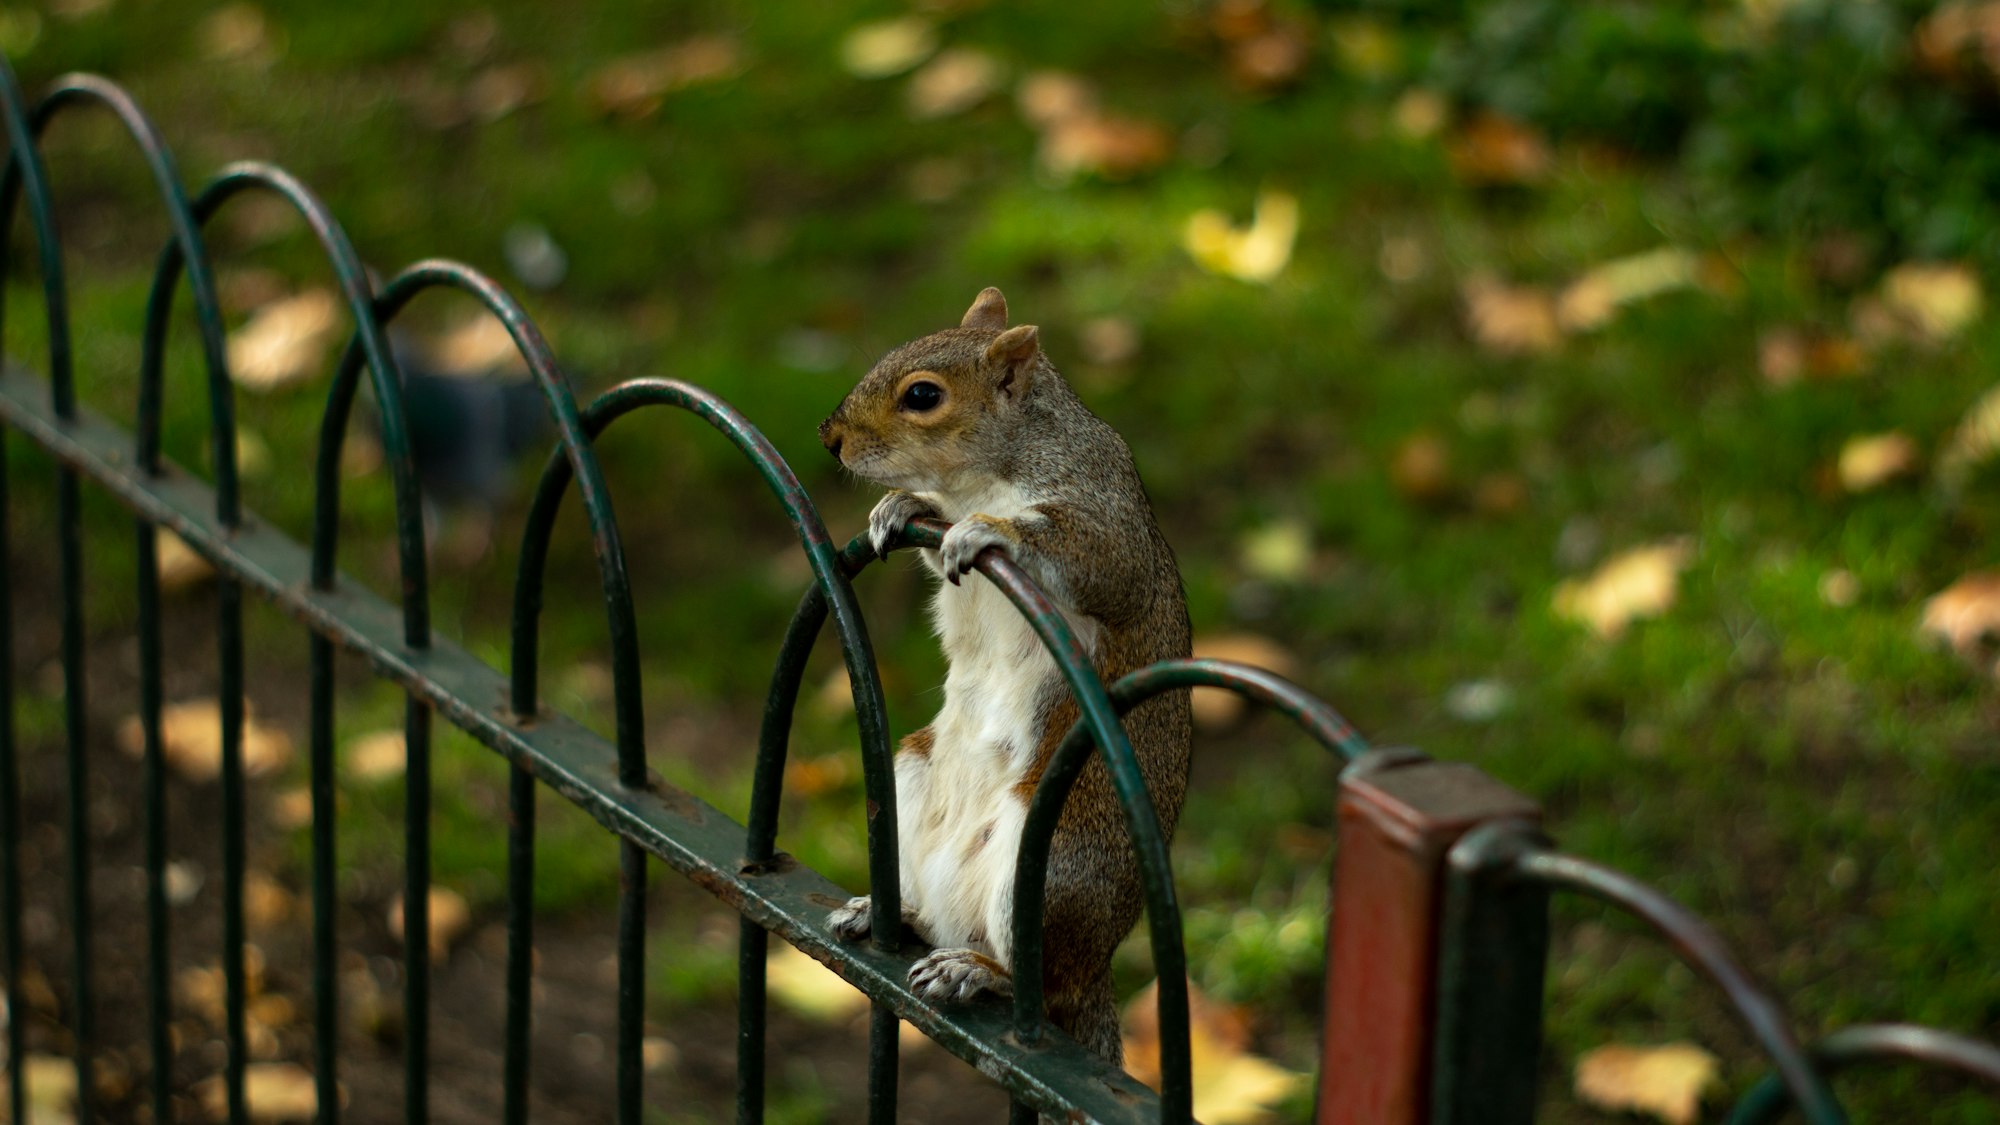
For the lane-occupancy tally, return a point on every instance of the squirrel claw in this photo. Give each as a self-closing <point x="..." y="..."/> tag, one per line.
<point x="891" y="512"/>
<point x="966" y="539"/>
<point x="957" y="975"/>
<point x="851" y="922"/>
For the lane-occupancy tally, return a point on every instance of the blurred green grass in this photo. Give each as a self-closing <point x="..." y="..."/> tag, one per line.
<point x="1813" y="777"/>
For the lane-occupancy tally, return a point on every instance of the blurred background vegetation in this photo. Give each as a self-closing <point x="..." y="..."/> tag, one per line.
<point x="1591" y="392"/>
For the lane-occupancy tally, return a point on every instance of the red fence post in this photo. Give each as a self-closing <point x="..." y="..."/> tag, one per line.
<point x="1399" y="813"/>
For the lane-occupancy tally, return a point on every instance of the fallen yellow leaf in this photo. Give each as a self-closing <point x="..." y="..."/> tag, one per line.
<point x="1590" y="301"/>
<point x="180" y="568"/>
<point x="285" y="340"/>
<point x="1872" y="460"/>
<point x="888" y="47"/>
<point x="1639" y="583"/>
<point x="1937" y="299"/>
<point x="1257" y="253"/>
<point x="273" y="1091"/>
<point x="1231" y="1086"/>
<point x="377" y="756"/>
<point x="191" y="741"/>
<point x="810" y="988"/>
<point x="1216" y="709"/>
<point x="450" y="918"/>
<point x="1666" y="1081"/>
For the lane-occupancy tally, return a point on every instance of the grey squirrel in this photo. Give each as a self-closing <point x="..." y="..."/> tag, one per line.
<point x="974" y="425"/>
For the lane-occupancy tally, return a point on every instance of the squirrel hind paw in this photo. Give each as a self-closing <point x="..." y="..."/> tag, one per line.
<point x="957" y="975"/>
<point x="852" y="921"/>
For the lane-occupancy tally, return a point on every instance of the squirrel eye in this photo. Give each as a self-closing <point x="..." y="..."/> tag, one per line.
<point x="922" y="397"/>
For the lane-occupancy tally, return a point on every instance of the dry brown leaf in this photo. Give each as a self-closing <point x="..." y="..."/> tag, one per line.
<point x="1500" y="494"/>
<point x="1870" y="461"/>
<point x="1109" y="341"/>
<point x="636" y="85"/>
<point x="285" y="340"/>
<point x="180" y="568"/>
<point x="377" y="756"/>
<point x="1639" y="583"/>
<point x="273" y="1091"/>
<point x="1966" y="613"/>
<point x="1047" y="97"/>
<point x="1937" y="300"/>
<point x="1231" y="1086"/>
<point x="1666" y="1081"/>
<point x="1960" y="41"/>
<point x="191" y="741"/>
<point x="1103" y="144"/>
<point x="1510" y="319"/>
<point x="292" y="808"/>
<point x="810" y="988"/>
<point x="1216" y="709"/>
<point x="1420" y="469"/>
<point x="450" y="918"/>
<point x="498" y="91"/>
<point x="1491" y="150"/>
<point x="1257" y="253"/>
<point x="266" y="902"/>
<point x="1592" y="299"/>
<point x="953" y="82"/>
<point x="1781" y="356"/>
<point x="888" y="47"/>
<point x="812" y="777"/>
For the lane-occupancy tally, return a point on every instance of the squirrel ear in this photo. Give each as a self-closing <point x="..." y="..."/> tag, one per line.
<point x="989" y="310"/>
<point x="1014" y="352"/>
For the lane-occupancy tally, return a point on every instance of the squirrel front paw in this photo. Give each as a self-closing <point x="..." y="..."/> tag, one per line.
<point x="957" y="975"/>
<point x="891" y="512"/>
<point x="967" y="538"/>
<point x="851" y="922"/>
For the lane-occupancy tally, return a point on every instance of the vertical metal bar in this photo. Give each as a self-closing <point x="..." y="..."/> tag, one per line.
<point x="158" y="1005"/>
<point x="1494" y="950"/>
<point x="882" y="1028"/>
<point x="229" y="638"/>
<point x="1399" y="813"/>
<point x="520" y="941"/>
<point x="631" y="979"/>
<point x="326" y="992"/>
<point x="69" y="532"/>
<point x="760" y="845"/>
<point x="10" y="830"/>
<point x="416" y="912"/>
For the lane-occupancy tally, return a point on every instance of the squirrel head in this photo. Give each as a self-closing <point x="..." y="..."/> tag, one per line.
<point x="940" y="412"/>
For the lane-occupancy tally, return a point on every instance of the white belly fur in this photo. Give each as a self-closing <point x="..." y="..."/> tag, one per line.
<point x="983" y="741"/>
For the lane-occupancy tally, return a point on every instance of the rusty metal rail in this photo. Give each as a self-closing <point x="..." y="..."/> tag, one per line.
<point x="1439" y="933"/>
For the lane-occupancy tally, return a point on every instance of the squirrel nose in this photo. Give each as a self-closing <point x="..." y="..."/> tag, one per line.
<point x="829" y="438"/>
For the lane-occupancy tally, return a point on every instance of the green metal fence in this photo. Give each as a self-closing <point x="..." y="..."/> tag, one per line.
<point x="1439" y="931"/>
